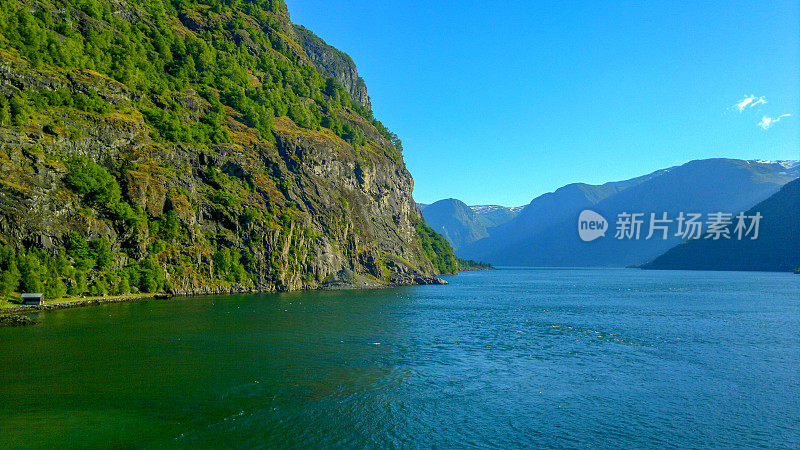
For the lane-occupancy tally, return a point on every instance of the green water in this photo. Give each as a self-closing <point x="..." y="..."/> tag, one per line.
<point x="556" y="358"/>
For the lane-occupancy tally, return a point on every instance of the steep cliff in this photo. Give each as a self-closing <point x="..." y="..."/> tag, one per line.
<point x="192" y="146"/>
<point x="332" y="62"/>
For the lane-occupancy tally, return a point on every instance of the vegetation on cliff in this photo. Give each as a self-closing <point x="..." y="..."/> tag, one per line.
<point x="152" y="56"/>
<point x="437" y="249"/>
<point x="195" y="146"/>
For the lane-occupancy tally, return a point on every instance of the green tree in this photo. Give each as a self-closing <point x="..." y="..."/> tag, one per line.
<point x="172" y="226"/>
<point x="9" y="279"/>
<point x="93" y="181"/>
<point x="55" y="288"/>
<point x="20" y="109"/>
<point x="32" y="273"/>
<point x="102" y="252"/>
<point x="333" y="88"/>
<point x="5" y="111"/>
<point x="78" y="284"/>
<point x="61" y="264"/>
<point x="222" y="262"/>
<point x="301" y="116"/>
<point x="236" y="271"/>
<point x="78" y="249"/>
<point x="99" y="287"/>
<point x="148" y="282"/>
<point x="124" y="286"/>
<point x="151" y="276"/>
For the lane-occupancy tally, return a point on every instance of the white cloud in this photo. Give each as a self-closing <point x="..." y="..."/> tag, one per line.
<point x="759" y="101"/>
<point x="749" y="101"/>
<point x="767" y="122"/>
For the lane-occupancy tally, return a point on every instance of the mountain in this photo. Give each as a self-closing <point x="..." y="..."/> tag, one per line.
<point x="456" y="221"/>
<point x="461" y="224"/>
<point x="545" y="232"/>
<point x="777" y="247"/>
<point x="544" y="211"/>
<point x="333" y="63"/>
<point x="194" y="146"/>
<point x="494" y="215"/>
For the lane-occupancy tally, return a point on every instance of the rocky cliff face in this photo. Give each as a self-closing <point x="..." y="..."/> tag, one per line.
<point x="333" y="63"/>
<point x="299" y="208"/>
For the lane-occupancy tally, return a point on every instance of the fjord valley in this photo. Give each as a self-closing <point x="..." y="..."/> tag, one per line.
<point x="210" y="235"/>
<point x="194" y="146"/>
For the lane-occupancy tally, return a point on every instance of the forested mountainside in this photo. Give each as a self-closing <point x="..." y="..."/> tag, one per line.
<point x="194" y="146"/>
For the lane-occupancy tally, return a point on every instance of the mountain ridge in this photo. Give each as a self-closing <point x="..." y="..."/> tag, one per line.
<point x="544" y="230"/>
<point x="462" y="224"/>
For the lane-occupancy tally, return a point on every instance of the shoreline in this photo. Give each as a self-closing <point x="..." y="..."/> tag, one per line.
<point x="16" y="315"/>
<point x="76" y="303"/>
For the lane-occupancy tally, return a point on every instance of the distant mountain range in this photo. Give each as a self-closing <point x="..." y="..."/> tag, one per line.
<point x="544" y="233"/>
<point x="776" y="249"/>
<point x="461" y="224"/>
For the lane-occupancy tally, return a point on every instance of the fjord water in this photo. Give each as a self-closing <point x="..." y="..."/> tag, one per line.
<point x="523" y="357"/>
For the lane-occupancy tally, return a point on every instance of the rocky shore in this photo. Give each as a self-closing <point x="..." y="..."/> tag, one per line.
<point x="348" y="279"/>
<point x="16" y="320"/>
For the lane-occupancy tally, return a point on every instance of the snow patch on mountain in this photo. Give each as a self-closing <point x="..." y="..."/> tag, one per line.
<point x="482" y="209"/>
<point x="787" y="164"/>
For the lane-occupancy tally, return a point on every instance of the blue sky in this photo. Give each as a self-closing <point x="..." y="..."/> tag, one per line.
<point x="498" y="102"/>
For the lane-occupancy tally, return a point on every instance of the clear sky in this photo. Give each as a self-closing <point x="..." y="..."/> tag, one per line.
<point x="498" y="102"/>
